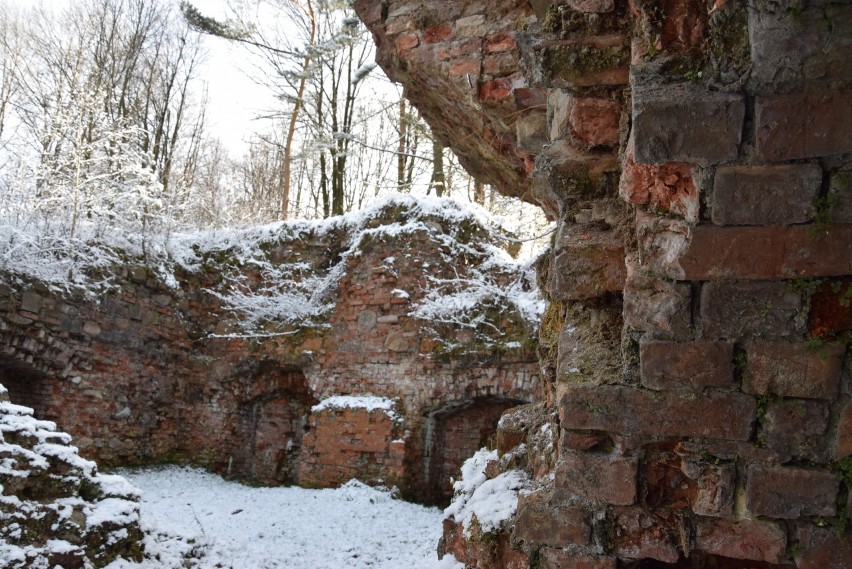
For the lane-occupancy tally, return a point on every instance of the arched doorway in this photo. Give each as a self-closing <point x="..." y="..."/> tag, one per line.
<point x="274" y="421"/>
<point x="453" y="433"/>
<point x="26" y="385"/>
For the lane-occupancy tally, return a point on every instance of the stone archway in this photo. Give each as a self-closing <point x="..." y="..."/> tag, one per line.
<point x="274" y="423"/>
<point x="453" y="433"/>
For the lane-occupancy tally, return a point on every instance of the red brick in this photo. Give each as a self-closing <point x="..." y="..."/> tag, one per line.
<point x="495" y="90"/>
<point x="465" y="67"/>
<point x="823" y="548"/>
<point x="669" y="186"/>
<point x="557" y="559"/>
<point x="763" y="309"/>
<point x="780" y="492"/>
<point x="765" y="195"/>
<point x="793" y="369"/>
<point x="438" y="33"/>
<point x="598" y="477"/>
<point x="685" y="123"/>
<point x="595" y="121"/>
<point x="543" y="520"/>
<point x="639" y="534"/>
<point x="803" y="125"/>
<point x="587" y="263"/>
<point x="691" y="365"/>
<point x="767" y="252"/>
<point x="499" y="64"/>
<point x="499" y="43"/>
<point x="631" y="411"/>
<point x="406" y="41"/>
<point x="741" y="539"/>
<point x="796" y="428"/>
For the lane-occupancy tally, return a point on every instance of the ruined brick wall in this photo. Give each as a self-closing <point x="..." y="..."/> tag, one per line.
<point x="696" y="156"/>
<point x="146" y="373"/>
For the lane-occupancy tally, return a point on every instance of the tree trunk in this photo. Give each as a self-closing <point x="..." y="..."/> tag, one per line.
<point x="438" y="180"/>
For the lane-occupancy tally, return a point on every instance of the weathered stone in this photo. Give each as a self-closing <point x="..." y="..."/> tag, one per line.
<point x="793" y="369"/>
<point x="684" y="123"/>
<point x="638" y="534"/>
<point x="532" y="132"/>
<point x="541" y="519"/>
<point x="595" y="121"/>
<point x="736" y="310"/>
<point x="790" y="48"/>
<point x="631" y="411"/>
<point x="598" y="477"/>
<point x="843" y="439"/>
<point x="663" y="242"/>
<point x="779" y="492"/>
<point x="796" y="428"/>
<point x="691" y="365"/>
<point x="587" y="62"/>
<point x="586" y="263"/>
<point x="767" y="252"/>
<point x="839" y="199"/>
<point x="668" y="186"/>
<point x="823" y="548"/>
<point x="765" y="195"/>
<point x="655" y="305"/>
<point x="715" y="488"/>
<point x="557" y="559"/>
<point x="31" y="302"/>
<point x="803" y="125"/>
<point x="741" y="539"/>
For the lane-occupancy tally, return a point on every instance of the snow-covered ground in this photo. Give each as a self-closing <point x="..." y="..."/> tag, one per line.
<point x="197" y="519"/>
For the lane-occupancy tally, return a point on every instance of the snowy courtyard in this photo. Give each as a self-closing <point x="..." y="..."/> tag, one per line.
<point x="196" y="519"/>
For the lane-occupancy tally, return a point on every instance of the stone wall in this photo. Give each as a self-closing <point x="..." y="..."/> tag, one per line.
<point x="696" y="156"/>
<point x="145" y="372"/>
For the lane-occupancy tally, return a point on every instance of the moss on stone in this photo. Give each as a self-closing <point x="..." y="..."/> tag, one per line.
<point x="573" y="62"/>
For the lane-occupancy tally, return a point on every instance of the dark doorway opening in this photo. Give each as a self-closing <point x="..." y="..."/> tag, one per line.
<point x="273" y="426"/>
<point x="26" y="385"/>
<point x="453" y="434"/>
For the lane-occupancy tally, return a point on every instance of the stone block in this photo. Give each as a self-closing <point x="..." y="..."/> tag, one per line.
<point x="765" y="195"/>
<point x="499" y="43"/>
<point x="591" y="6"/>
<point x="823" y="548"/>
<point x="715" y="484"/>
<point x="595" y="121"/>
<point x="630" y="411"/>
<point x="439" y="33"/>
<point x="804" y="125"/>
<point x="31" y="302"/>
<point x="736" y="310"/>
<point x="812" y="44"/>
<point x="587" y="263"/>
<point x="788" y="493"/>
<point x="843" y="438"/>
<point x="557" y="559"/>
<point x="541" y="519"/>
<point x="531" y="130"/>
<point x="471" y="26"/>
<point x="840" y="197"/>
<point x="793" y="369"/>
<point x="655" y="305"/>
<point x="587" y="62"/>
<point x="668" y="186"/>
<point x="755" y="540"/>
<point x="598" y="477"/>
<point x="754" y="253"/>
<point x="686" y="365"/>
<point x="796" y="428"/>
<point x="663" y="242"/>
<point x="638" y="534"/>
<point x="686" y="123"/>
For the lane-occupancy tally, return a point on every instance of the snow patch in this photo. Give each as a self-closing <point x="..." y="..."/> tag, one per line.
<point x="368" y="402"/>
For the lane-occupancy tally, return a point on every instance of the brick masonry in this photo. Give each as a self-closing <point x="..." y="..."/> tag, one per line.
<point x="148" y="373"/>
<point x="720" y="390"/>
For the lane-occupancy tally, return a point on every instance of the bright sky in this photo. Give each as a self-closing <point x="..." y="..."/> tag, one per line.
<point x="235" y="100"/>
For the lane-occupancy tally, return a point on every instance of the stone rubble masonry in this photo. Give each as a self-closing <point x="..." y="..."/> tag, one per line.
<point x="670" y="366"/>
<point x="145" y="373"/>
<point x="789" y="492"/>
